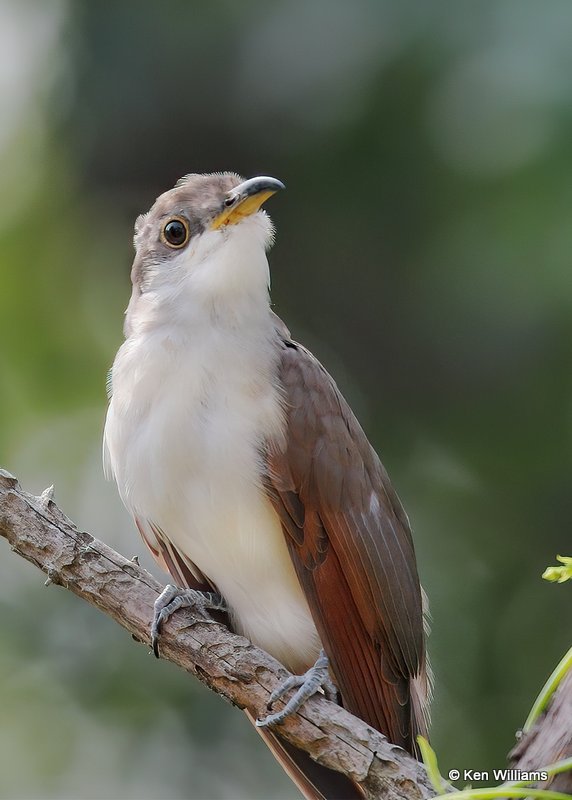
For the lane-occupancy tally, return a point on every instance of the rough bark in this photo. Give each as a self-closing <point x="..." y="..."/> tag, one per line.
<point x="228" y="664"/>
<point x="549" y="740"/>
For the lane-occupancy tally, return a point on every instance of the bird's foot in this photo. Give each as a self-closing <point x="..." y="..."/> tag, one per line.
<point x="172" y="599"/>
<point x="308" y="684"/>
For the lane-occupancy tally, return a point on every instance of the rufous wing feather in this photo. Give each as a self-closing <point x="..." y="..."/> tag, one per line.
<point x="352" y="549"/>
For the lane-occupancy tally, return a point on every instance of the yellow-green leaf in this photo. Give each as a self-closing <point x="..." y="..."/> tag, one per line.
<point x="559" y="574"/>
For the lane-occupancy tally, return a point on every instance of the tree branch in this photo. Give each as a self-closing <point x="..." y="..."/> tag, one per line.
<point x="549" y="740"/>
<point x="228" y="664"/>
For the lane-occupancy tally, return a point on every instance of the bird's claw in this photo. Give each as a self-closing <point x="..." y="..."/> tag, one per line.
<point x="172" y="599"/>
<point x="308" y="684"/>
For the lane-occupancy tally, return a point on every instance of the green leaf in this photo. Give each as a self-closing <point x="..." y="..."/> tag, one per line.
<point x="548" y="690"/>
<point x="430" y="760"/>
<point x="565" y="765"/>
<point x="559" y="574"/>
<point x="506" y="791"/>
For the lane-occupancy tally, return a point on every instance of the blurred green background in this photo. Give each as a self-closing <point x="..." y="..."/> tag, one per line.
<point x="423" y="252"/>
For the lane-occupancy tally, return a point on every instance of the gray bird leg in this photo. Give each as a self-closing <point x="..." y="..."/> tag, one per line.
<point x="316" y="678"/>
<point x="172" y="599"/>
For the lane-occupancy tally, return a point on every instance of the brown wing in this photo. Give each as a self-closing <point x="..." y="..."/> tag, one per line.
<point x="351" y="545"/>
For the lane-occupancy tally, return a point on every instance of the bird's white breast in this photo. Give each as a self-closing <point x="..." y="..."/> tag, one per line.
<point x="188" y="415"/>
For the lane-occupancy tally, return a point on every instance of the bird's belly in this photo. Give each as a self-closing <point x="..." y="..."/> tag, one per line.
<point x="193" y="470"/>
<point x="238" y="543"/>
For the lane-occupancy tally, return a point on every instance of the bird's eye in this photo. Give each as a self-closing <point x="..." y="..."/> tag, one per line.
<point x="230" y="200"/>
<point x="176" y="232"/>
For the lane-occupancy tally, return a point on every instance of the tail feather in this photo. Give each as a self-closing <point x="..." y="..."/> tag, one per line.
<point x="421" y="687"/>
<point x="313" y="780"/>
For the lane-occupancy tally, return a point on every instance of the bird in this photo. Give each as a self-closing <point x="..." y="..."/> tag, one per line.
<point x="250" y="479"/>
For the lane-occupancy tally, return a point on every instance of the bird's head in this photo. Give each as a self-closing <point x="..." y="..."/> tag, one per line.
<point x="202" y="244"/>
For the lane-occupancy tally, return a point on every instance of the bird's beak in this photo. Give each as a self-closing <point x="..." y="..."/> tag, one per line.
<point x="245" y="199"/>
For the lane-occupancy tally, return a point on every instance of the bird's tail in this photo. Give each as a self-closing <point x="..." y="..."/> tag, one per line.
<point x="312" y="779"/>
<point x="421" y="688"/>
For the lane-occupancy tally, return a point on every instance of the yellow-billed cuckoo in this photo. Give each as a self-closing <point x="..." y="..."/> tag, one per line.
<point x="248" y="475"/>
